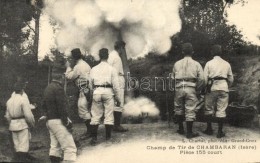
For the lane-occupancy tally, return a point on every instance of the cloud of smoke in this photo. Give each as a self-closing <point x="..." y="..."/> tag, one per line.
<point x="145" y="25"/>
<point x="246" y="19"/>
<point x="140" y="106"/>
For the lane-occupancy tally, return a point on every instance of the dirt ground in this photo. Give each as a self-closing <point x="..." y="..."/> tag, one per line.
<point x="144" y="132"/>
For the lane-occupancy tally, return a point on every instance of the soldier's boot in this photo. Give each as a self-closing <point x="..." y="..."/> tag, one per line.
<point x="209" y="130"/>
<point x="87" y="134"/>
<point x="190" y="134"/>
<point x="16" y="157"/>
<point x="117" y="125"/>
<point x="55" y="159"/>
<point x="108" y="131"/>
<point x="220" y="133"/>
<point x="94" y="129"/>
<point x="30" y="157"/>
<point x="24" y="157"/>
<point x="179" y="120"/>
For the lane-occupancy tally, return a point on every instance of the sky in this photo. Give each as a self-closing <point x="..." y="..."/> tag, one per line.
<point x="246" y="18"/>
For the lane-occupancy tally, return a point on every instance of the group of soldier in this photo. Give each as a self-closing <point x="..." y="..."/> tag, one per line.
<point x="101" y="93"/>
<point x="192" y="82"/>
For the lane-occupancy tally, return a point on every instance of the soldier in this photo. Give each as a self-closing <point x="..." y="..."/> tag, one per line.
<point x="20" y="118"/>
<point x="189" y="81"/>
<point x="105" y="87"/>
<point x="115" y="61"/>
<point x="58" y="123"/>
<point x="218" y="77"/>
<point x="79" y="74"/>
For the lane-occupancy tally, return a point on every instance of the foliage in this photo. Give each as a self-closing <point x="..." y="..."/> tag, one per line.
<point x="14" y="15"/>
<point x="204" y="24"/>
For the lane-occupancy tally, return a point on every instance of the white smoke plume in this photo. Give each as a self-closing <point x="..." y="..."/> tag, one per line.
<point x="140" y="106"/>
<point x="145" y="25"/>
<point x="247" y="19"/>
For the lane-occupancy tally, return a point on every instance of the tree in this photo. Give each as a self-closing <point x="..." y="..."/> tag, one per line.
<point x="36" y="6"/>
<point x="15" y="27"/>
<point x="204" y="24"/>
<point x="13" y="15"/>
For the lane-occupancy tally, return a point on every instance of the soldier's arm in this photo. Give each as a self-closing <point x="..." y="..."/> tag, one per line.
<point x="61" y="103"/>
<point x="115" y="84"/>
<point x="230" y="76"/>
<point x="44" y="107"/>
<point x="174" y="71"/>
<point x="28" y="112"/>
<point x="206" y="73"/>
<point x="7" y="116"/>
<point x="200" y="78"/>
<point x="91" y="90"/>
<point x="71" y="73"/>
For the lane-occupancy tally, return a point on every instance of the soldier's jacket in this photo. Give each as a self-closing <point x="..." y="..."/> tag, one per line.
<point x="79" y="73"/>
<point x="18" y="112"/>
<point x="186" y="69"/>
<point x="217" y="67"/>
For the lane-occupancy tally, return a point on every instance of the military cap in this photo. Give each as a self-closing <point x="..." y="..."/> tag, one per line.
<point x="76" y="53"/>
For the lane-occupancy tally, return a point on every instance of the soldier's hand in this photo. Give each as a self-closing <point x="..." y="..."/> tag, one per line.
<point x="118" y="103"/>
<point x="69" y="125"/>
<point x="67" y="64"/>
<point x="42" y="118"/>
<point x="70" y="130"/>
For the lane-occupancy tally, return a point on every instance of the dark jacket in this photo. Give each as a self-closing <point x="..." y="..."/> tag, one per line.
<point x="54" y="102"/>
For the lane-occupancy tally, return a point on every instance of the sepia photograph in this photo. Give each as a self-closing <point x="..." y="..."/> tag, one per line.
<point x="129" y="81"/>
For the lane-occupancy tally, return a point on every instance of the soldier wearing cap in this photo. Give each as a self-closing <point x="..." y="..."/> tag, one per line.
<point x="218" y="77"/>
<point x="115" y="61"/>
<point x="20" y="118"/>
<point x="105" y="89"/>
<point x="188" y="82"/>
<point x="80" y="74"/>
<point x="59" y="125"/>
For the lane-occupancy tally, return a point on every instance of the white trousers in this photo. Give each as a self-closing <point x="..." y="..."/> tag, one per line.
<point x="102" y="104"/>
<point x="21" y="140"/>
<point x="61" y="141"/>
<point x="121" y="94"/>
<point x="83" y="111"/>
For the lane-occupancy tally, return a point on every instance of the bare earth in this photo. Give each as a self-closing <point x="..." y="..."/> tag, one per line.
<point x="145" y="132"/>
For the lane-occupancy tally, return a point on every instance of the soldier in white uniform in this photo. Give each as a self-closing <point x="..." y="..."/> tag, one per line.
<point x="105" y="87"/>
<point x="189" y="81"/>
<point x="20" y="118"/>
<point x="80" y="74"/>
<point x="115" y="61"/>
<point x="218" y="77"/>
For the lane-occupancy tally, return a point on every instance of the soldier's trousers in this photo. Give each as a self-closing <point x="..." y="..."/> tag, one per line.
<point x="102" y="104"/>
<point x="216" y="103"/>
<point x="61" y="140"/>
<point x="21" y="140"/>
<point x="121" y="94"/>
<point x="83" y="111"/>
<point x="185" y="102"/>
